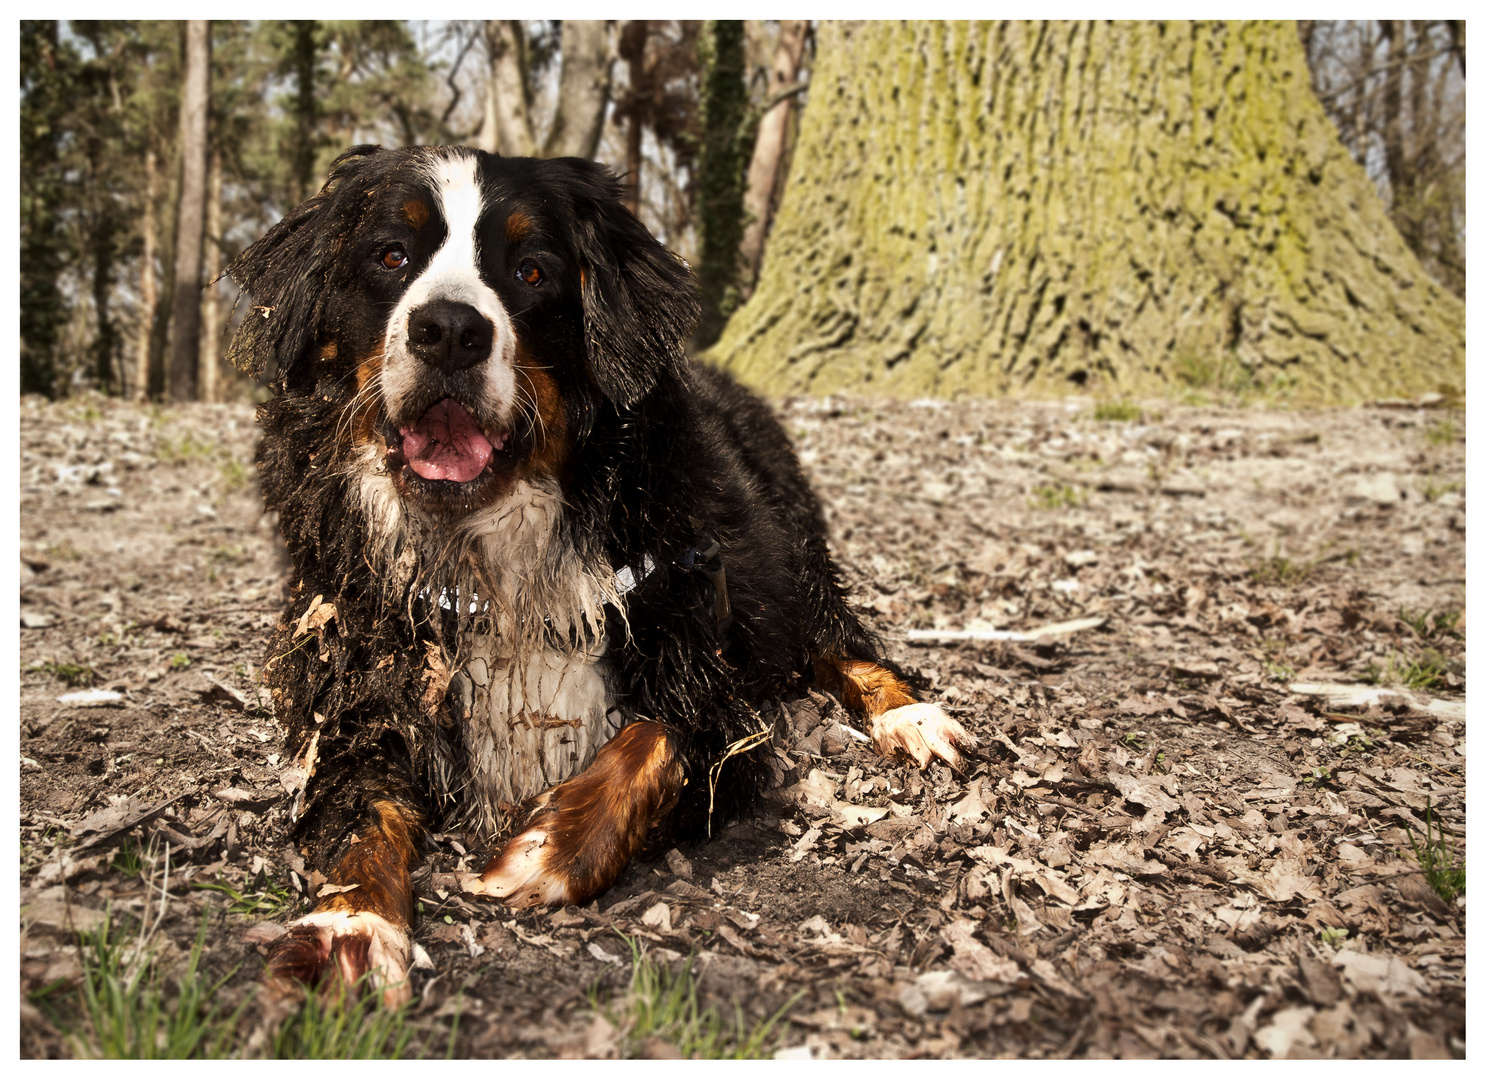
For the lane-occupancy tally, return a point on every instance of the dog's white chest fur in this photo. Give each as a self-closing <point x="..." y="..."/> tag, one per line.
<point x="534" y="723"/>
<point x="539" y="714"/>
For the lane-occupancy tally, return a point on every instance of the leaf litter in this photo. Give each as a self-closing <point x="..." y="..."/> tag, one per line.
<point x="1215" y="666"/>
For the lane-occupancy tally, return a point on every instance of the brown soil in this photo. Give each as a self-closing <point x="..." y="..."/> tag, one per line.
<point x="1154" y="853"/>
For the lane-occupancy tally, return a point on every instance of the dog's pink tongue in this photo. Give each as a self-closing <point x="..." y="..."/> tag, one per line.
<point x="447" y="444"/>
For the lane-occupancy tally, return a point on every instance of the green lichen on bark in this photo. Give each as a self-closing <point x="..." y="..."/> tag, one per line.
<point x="1034" y="208"/>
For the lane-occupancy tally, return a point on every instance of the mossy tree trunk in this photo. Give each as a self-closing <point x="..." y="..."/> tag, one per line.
<point x="304" y="58"/>
<point x="46" y="78"/>
<point x="721" y="161"/>
<point x="1034" y="208"/>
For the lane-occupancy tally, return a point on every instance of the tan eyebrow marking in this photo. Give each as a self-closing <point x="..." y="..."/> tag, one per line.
<point x="517" y="227"/>
<point x="416" y="212"/>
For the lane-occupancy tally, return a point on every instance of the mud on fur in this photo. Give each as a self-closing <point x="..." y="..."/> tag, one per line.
<point x="547" y="573"/>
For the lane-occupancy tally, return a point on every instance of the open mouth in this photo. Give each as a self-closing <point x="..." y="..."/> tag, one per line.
<point x="446" y="453"/>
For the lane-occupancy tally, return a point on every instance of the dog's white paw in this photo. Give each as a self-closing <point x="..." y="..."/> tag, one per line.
<point x="349" y="945"/>
<point x="583" y="832"/>
<point x="523" y="875"/>
<point x="923" y="732"/>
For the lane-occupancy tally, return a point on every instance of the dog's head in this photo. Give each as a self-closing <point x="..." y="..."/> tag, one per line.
<point x="471" y="312"/>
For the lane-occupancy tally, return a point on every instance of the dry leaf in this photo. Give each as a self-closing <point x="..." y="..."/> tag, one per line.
<point x="315" y="616"/>
<point x="1287" y="1028"/>
<point x="658" y="915"/>
<point x="1385" y="976"/>
<point x="975" y="960"/>
<point x="1144" y="791"/>
<point x="803" y="845"/>
<point x="854" y="816"/>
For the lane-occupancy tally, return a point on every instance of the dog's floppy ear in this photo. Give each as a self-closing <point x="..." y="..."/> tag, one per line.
<point x="285" y="273"/>
<point x="640" y="302"/>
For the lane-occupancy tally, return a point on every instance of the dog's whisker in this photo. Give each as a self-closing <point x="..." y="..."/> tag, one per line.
<point x="528" y="404"/>
<point x="527" y="412"/>
<point x="364" y="395"/>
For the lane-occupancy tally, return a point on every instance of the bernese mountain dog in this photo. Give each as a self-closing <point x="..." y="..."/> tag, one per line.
<point x="548" y="576"/>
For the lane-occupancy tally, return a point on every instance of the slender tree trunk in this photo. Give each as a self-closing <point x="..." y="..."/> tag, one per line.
<point x="169" y="221"/>
<point x="306" y="111"/>
<point x="148" y="297"/>
<point x="632" y="52"/>
<point x="506" y="94"/>
<point x="1421" y="158"/>
<point x="211" y="299"/>
<point x="768" y="147"/>
<point x="1446" y="257"/>
<point x="487" y="138"/>
<point x="1014" y="208"/>
<point x="582" y="92"/>
<point x="1352" y="127"/>
<point x="582" y="89"/>
<point x="103" y="263"/>
<point x="1457" y="42"/>
<point x="43" y="119"/>
<point x="1394" y="33"/>
<point x="186" y="317"/>
<point x="720" y="165"/>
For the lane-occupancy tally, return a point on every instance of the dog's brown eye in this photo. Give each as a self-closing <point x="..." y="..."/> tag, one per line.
<point x="529" y="272"/>
<point x="394" y="258"/>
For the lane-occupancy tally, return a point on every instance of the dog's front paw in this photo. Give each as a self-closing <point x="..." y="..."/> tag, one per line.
<point x="583" y="831"/>
<point x="923" y="732"/>
<point x="340" y="945"/>
<point x="525" y="874"/>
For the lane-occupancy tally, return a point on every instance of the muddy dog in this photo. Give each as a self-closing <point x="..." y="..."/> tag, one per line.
<point x="547" y="573"/>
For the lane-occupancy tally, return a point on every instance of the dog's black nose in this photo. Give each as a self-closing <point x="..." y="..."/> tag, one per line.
<point x="448" y="335"/>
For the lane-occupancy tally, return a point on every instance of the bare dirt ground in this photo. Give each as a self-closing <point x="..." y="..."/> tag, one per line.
<point x="1174" y="841"/>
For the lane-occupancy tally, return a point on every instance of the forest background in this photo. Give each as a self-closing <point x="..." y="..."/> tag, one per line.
<point x="152" y="152"/>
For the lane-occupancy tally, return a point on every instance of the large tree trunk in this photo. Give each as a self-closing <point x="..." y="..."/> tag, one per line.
<point x="582" y="89"/>
<point x="186" y="318"/>
<point x="1032" y="208"/>
<point x="768" y="146"/>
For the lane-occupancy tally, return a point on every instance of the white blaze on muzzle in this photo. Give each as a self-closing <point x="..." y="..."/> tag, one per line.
<point x="453" y="275"/>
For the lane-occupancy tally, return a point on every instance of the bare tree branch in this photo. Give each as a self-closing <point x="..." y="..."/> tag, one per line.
<point x="455" y="93"/>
